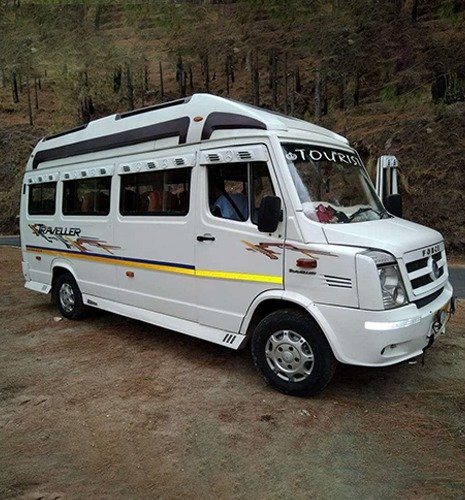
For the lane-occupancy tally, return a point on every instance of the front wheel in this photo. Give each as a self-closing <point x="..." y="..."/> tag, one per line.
<point x="68" y="297"/>
<point x="292" y="353"/>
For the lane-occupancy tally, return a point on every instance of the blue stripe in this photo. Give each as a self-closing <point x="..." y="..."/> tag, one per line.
<point x="115" y="257"/>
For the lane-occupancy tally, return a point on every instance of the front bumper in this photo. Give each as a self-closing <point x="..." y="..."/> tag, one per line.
<point x="381" y="338"/>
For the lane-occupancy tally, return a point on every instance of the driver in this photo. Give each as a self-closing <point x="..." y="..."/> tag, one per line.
<point x="230" y="206"/>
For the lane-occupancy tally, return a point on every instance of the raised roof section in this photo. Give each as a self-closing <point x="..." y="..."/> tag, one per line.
<point x="173" y="119"/>
<point x="155" y="107"/>
<point x="65" y="132"/>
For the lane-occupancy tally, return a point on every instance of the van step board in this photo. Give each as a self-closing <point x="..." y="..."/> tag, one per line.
<point x="191" y="328"/>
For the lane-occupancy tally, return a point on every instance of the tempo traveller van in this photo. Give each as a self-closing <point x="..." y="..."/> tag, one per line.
<point x="238" y="226"/>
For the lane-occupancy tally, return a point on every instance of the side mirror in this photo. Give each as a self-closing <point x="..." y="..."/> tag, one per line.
<point x="393" y="204"/>
<point x="269" y="214"/>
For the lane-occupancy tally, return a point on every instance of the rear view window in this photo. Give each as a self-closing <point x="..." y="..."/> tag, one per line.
<point x="156" y="193"/>
<point x="87" y="196"/>
<point x="42" y="199"/>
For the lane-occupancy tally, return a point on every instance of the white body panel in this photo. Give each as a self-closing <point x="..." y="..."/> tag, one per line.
<point x="222" y="302"/>
<point x="163" y="245"/>
<point x="153" y="268"/>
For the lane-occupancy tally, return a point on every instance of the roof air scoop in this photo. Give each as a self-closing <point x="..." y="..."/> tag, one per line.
<point x="228" y="121"/>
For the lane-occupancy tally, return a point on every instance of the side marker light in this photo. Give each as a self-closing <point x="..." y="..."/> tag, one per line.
<point x="306" y="263"/>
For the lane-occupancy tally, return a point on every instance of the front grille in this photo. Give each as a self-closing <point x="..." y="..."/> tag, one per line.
<point x="425" y="279"/>
<point x="421" y="271"/>
<point x="421" y="281"/>
<point x="420" y="263"/>
<point x="428" y="299"/>
<point x="416" y="264"/>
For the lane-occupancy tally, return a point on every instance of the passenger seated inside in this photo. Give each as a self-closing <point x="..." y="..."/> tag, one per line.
<point x="170" y="200"/>
<point x="152" y="200"/>
<point x="232" y="206"/>
<point x="88" y="202"/>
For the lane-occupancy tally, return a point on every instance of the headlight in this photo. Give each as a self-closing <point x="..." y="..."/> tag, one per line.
<point x="392" y="287"/>
<point x="382" y="276"/>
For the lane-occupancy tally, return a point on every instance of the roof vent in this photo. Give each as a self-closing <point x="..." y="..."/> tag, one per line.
<point x="214" y="157"/>
<point x="83" y="173"/>
<point x="179" y="161"/>
<point x="67" y="176"/>
<point x="40" y="178"/>
<point x="103" y="171"/>
<point x="244" y="155"/>
<point x="151" y="164"/>
<point x="126" y="168"/>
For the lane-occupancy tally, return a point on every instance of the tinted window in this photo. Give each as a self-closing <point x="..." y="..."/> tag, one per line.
<point x="156" y="193"/>
<point x="229" y="191"/>
<point x="87" y="196"/>
<point x="42" y="199"/>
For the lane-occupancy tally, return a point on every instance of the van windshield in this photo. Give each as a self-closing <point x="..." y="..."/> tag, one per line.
<point x="332" y="184"/>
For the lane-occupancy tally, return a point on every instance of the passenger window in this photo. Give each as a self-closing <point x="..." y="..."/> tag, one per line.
<point x="42" y="199"/>
<point x="156" y="193"/>
<point x="229" y="195"/>
<point x="87" y="196"/>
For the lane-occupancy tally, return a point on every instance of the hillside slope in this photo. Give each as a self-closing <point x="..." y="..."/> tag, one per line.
<point x="388" y="75"/>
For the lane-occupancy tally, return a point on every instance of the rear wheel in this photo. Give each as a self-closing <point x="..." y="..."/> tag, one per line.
<point x="68" y="297"/>
<point x="291" y="352"/>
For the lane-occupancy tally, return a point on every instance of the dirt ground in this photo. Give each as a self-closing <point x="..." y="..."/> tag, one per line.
<point x="113" y="408"/>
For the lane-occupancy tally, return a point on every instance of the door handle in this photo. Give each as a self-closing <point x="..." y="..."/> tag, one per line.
<point x="206" y="237"/>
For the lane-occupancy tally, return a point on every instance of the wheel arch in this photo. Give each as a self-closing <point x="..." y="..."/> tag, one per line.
<point x="269" y="302"/>
<point x="60" y="266"/>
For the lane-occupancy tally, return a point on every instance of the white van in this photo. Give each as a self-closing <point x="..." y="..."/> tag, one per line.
<point x="232" y="224"/>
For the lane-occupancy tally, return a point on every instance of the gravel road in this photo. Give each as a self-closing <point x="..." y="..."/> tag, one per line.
<point x="113" y="408"/>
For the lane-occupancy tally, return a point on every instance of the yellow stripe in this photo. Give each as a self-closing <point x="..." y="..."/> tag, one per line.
<point x="169" y="269"/>
<point x="238" y="276"/>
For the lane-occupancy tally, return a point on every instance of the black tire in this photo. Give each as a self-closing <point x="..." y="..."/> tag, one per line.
<point x="76" y="310"/>
<point x="305" y="339"/>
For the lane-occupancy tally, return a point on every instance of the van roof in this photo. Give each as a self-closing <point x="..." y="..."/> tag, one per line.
<point x="192" y="119"/>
